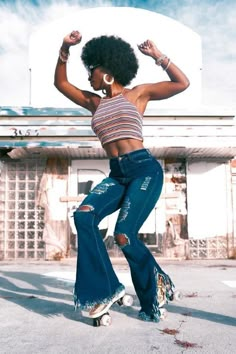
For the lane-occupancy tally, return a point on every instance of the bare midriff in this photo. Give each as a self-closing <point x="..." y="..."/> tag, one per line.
<point x="123" y="146"/>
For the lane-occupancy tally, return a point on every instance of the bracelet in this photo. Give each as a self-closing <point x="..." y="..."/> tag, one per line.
<point x="168" y="64"/>
<point x="160" y="60"/>
<point x="64" y="56"/>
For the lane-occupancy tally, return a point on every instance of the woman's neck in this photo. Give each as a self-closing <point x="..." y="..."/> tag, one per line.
<point x="113" y="91"/>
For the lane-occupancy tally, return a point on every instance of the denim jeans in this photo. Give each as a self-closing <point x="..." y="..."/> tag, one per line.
<point x="133" y="186"/>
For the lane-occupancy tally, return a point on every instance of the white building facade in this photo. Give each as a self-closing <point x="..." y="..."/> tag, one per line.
<point x="50" y="158"/>
<point x="48" y="167"/>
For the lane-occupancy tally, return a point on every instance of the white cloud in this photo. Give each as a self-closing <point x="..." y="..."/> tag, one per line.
<point x="17" y="21"/>
<point x="215" y="23"/>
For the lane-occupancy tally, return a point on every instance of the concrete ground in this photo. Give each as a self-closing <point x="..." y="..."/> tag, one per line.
<point x="37" y="315"/>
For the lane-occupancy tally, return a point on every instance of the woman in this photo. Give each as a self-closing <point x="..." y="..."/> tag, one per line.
<point x="136" y="178"/>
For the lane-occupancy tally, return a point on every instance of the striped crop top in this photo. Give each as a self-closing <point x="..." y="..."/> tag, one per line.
<point x="116" y="118"/>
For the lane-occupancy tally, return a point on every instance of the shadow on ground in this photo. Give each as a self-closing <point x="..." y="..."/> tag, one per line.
<point x="51" y="297"/>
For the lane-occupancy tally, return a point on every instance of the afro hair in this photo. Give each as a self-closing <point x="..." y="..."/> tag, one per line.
<point x="114" y="55"/>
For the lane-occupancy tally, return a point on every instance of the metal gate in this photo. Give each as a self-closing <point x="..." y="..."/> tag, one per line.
<point x="21" y="220"/>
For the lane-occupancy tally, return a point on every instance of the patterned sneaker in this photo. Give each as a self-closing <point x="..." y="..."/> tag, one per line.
<point x="99" y="309"/>
<point x="161" y="286"/>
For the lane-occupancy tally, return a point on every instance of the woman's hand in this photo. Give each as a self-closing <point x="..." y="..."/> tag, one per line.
<point x="72" y="38"/>
<point x="149" y="48"/>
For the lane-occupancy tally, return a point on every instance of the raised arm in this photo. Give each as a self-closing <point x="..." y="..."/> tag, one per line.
<point x="81" y="97"/>
<point x="165" y="89"/>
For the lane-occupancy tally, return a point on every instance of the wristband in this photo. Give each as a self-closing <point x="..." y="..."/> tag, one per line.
<point x="160" y="60"/>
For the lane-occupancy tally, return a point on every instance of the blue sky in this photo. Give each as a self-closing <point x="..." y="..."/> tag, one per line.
<point x="214" y="21"/>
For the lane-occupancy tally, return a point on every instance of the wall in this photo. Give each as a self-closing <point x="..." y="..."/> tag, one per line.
<point x="207" y="199"/>
<point x="205" y="220"/>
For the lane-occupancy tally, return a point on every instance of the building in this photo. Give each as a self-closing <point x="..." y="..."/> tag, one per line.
<point x="50" y="158"/>
<point x="49" y="163"/>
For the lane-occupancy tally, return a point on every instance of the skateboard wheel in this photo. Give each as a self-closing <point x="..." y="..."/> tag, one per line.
<point x="127" y="300"/>
<point x="178" y="296"/>
<point x="96" y="322"/>
<point x="163" y="313"/>
<point x="105" y="320"/>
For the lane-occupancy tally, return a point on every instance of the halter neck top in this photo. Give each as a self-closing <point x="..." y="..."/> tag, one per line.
<point x="116" y="118"/>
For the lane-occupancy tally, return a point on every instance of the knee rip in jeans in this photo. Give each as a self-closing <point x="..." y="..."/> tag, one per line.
<point x="122" y="240"/>
<point x="85" y="208"/>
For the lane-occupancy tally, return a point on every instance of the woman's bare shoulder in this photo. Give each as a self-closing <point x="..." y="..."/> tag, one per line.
<point x="136" y="95"/>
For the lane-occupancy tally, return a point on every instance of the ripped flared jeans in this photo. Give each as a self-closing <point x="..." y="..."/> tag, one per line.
<point x="133" y="186"/>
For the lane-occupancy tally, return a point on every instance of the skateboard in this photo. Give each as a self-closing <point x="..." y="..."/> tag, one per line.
<point x="105" y="318"/>
<point x="166" y="293"/>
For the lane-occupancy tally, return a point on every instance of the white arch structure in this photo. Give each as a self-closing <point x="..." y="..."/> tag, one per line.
<point x="134" y="25"/>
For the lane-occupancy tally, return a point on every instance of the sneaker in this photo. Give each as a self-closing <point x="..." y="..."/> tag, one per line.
<point x="161" y="291"/>
<point x="99" y="309"/>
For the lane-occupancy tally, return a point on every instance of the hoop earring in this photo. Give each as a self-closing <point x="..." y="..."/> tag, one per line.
<point x="106" y="81"/>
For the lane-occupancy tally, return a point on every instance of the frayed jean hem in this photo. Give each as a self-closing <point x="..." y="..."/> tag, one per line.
<point x="90" y="304"/>
<point x="149" y="318"/>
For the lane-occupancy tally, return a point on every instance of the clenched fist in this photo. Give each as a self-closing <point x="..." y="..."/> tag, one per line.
<point x="72" y="39"/>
